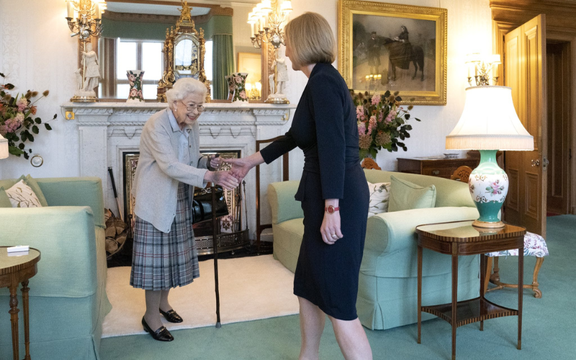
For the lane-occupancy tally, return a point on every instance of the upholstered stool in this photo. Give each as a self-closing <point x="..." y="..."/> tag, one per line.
<point x="534" y="245"/>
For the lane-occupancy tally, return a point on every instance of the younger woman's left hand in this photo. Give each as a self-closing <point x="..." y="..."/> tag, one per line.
<point x="330" y="228"/>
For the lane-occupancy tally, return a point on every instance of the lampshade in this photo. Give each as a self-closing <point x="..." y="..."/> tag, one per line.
<point x="489" y="122"/>
<point x="3" y="148"/>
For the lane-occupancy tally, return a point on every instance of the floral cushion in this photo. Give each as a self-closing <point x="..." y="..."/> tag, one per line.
<point x="379" y="196"/>
<point x="534" y="245"/>
<point x="22" y="196"/>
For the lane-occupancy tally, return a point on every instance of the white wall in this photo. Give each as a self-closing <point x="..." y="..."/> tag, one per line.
<point x="37" y="52"/>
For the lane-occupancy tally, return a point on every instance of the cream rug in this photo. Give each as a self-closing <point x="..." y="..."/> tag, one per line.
<point x="251" y="288"/>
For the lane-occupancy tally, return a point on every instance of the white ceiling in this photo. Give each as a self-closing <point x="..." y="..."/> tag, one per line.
<point x="136" y="8"/>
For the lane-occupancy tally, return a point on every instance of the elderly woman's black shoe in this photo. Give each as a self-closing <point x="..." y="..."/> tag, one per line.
<point x="171" y="315"/>
<point x="161" y="334"/>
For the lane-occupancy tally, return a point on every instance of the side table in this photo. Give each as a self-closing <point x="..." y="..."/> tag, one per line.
<point x="13" y="271"/>
<point x="461" y="238"/>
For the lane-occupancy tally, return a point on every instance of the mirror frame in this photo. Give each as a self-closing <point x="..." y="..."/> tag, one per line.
<point x="185" y="29"/>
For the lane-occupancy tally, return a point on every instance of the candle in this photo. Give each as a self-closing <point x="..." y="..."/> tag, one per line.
<point x="70" y="9"/>
<point x="96" y="12"/>
<point x="251" y="29"/>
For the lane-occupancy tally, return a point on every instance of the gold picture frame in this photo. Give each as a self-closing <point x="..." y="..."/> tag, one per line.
<point x="394" y="47"/>
<point x="250" y="63"/>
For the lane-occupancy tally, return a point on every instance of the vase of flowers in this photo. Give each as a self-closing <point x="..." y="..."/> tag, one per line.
<point x="239" y="82"/>
<point x="135" y="81"/>
<point x="18" y="123"/>
<point x="381" y="122"/>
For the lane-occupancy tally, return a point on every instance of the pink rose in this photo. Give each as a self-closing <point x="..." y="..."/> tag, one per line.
<point x="242" y="94"/>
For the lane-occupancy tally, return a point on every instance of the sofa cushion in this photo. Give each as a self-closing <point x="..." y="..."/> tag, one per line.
<point x="30" y="181"/>
<point x="4" y="200"/>
<point x="22" y="196"/>
<point x="405" y="195"/>
<point x="379" y="196"/>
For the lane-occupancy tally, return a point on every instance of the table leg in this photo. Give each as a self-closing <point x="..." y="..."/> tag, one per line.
<point x="25" y="290"/>
<point x="14" y="320"/>
<point x="454" y="301"/>
<point x="483" y="266"/>
<point x="419" y="292"/>
<point x="520" y="292"/>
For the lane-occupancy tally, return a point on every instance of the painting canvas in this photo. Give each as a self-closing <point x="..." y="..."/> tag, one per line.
<point x="394" y="47"/>
<point x="250" y="63"/>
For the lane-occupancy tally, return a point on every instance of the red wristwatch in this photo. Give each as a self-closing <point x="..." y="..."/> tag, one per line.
<point x="330" y="209"/>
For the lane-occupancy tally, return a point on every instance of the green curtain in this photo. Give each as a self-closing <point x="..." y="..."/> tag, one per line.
<point x="222" y="64"/>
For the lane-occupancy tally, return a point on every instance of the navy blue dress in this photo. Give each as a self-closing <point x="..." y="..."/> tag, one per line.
<point x="325" y="128"/>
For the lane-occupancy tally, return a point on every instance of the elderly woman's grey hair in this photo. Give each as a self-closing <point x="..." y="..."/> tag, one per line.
<point x="184" y="87"/>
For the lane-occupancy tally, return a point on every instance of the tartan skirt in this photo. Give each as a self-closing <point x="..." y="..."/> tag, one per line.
<point x="161" y="261"/>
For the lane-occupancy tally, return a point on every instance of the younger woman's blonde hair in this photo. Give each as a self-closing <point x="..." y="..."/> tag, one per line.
<point x="310" y="39"/>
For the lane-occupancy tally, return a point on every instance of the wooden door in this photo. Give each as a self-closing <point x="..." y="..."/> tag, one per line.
<point x="559" y="104"/>
<point x="524" y="72"/>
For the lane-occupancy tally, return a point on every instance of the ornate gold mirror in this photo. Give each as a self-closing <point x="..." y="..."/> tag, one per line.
<point x="183" y="54"/>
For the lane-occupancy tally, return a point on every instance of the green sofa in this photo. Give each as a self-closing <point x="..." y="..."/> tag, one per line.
<point x="387" y="294"/>
<point x="68" y="299"/>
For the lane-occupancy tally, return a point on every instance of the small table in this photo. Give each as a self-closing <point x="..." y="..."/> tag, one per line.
<point x="461" y="238"/>
<point x="15" y="270"/>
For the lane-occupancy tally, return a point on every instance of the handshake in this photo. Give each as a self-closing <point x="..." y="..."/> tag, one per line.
<point x="228" y="179"/>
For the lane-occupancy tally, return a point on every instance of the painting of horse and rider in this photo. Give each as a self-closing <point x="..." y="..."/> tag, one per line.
<point x="401" y="51"/>
<point x="394" y="47"/>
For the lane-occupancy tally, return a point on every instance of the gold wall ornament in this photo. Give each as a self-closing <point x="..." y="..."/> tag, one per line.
<point x="184" y="51"/>
<point x="417" y="46"/>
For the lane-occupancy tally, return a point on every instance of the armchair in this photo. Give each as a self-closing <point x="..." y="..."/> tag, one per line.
<point x="68" y="298"/>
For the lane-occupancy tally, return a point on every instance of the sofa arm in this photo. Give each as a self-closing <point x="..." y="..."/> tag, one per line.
<point x="75" y="191"/>
<point x="393" y="231"/>
<point x="65" y="236"/>
<point x="282" y="203"/>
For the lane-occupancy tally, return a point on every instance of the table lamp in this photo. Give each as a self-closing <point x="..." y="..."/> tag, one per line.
<point x="489" y="123"/>
<point x="3" y="148"/>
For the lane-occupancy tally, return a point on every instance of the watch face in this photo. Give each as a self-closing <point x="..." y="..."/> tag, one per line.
<point x="330" y="209"/>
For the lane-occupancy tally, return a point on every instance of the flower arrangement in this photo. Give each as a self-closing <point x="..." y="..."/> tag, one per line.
<point x="17" y="123"/>
<point x="381" y="122"/>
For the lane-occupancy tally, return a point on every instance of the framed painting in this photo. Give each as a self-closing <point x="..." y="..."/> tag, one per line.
<point x="250" y="63"/>
<point x="394" y="47"/>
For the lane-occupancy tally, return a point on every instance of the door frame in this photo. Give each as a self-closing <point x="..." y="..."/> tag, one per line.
<point x="509" y="14"/>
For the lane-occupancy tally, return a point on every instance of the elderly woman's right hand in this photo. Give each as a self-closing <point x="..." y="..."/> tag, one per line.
<point x="222" y="178"/>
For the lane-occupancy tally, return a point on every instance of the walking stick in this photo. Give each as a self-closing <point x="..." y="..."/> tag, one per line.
<point x="215" y="246"/>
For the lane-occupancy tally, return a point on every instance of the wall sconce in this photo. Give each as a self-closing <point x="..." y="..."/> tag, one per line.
<point x="483" y="70"/>
<point x="84" y="19"/>
<point x="267" y="21"/>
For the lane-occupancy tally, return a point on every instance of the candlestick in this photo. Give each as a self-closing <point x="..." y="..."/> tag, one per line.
<point x="70" y="8"/>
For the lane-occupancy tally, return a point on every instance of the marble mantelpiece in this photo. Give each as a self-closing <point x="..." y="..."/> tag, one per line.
<point x="107" y="130"/>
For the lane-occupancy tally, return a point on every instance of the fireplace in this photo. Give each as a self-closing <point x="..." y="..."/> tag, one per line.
<point x="230" y="232"/>
<point x="109" y="130"/>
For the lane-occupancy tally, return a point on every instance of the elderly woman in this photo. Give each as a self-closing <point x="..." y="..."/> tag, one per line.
<point x="164" y="255"/>
<point x="333" y="191"/>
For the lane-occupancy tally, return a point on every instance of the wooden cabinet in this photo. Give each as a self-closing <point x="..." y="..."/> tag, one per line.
<point x="434" y="166"/>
